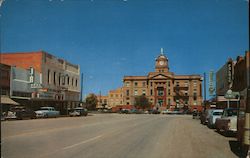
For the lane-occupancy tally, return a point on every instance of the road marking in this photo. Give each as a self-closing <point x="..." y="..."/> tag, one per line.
<point x="83" y="142"/>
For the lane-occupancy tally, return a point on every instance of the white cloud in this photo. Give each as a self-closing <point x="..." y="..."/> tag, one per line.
<point x="1" y="1"/>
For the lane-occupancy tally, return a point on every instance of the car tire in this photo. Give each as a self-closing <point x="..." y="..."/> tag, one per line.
<point x="245" y="150"/>
<point x="217" y="129"/>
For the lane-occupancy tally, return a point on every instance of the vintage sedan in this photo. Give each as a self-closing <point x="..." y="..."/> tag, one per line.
<point x="228" y="120"/>
<point x="78" y="112"/>
<point x="217" y="113"/>
<point x="20" y="112"/>
<point x="46" y="112"/>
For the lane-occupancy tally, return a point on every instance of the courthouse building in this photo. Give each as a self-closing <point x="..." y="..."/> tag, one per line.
<point x="163" y="88"/>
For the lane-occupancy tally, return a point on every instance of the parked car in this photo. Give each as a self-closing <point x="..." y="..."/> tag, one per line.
<point x="136" y="111"/>
<point x="176" y="111"/>
<point x="46" y="112"/>
<point x="155" y="111"/>
<point x="228" y="120"/>
<point x="78" y="112"/>
<point x="125" y="111"/>
<point x="205" y="115"/>
<point x="217" y="113"/>
<point x="167" y="111"/>
<point x="20" y="112"/>
<point x="195" y="113"/>
<point x="243" y="128"/>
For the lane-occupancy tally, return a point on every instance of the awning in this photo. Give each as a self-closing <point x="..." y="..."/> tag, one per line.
<point x="7" y="100"/>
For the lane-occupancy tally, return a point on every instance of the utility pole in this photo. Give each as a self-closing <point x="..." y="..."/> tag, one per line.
<point x="81" y="87"/>
<point x="204" y="102"/>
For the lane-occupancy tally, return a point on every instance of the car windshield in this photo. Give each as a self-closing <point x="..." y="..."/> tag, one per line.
<point x="217" y="113"/>
<point x="78" y="110"/>
<point x="44" y="108"/>
<point x="232" y="112"/>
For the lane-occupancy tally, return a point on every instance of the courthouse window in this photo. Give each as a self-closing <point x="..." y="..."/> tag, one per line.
<point x="177" y="84"/>
<point x="136" y="92"/>
<point x="186" y="93"/>
<point x="143" y="92"/>
<point x="127" y="92"/>
<point x="127" y="84"/>
<point x="136" y="83"/>
<point x="195" y="83"/>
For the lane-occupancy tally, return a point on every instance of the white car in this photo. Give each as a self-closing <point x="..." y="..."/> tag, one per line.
<point x="47" y="112"/>
<point x="166" y="111"/>
<point x="216" y="113"/>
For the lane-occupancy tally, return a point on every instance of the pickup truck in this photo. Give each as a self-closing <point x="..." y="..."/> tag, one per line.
<point x="47" y="112"/>
<point x="228" y="120"/>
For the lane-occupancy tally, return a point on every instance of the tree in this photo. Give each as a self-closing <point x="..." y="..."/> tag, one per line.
<point x="91" y="101"/>
<point x="142" y="102"/>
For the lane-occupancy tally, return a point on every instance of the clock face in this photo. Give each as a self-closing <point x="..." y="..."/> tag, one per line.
<point x="161" y="62"/>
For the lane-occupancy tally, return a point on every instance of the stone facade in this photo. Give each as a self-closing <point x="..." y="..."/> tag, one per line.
<point x="115" y="97"/>
<point x="163" y="88"/>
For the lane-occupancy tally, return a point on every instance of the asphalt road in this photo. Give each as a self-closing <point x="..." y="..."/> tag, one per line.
<point x="113" y="136"/>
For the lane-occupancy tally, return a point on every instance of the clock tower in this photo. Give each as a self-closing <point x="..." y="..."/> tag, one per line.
<point x="161" y="63"/>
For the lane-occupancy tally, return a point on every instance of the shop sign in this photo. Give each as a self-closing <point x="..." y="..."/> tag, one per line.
<point x="45" y="96"/>
<point x="211" y="83"/>
<point x="230" y="71"/>
<point x="35" y="85"/>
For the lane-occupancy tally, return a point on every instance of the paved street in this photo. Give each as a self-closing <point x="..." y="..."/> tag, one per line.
<point x="113" y="136"/>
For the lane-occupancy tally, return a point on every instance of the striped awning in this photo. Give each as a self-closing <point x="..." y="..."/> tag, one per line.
<point x="8" y="100"/>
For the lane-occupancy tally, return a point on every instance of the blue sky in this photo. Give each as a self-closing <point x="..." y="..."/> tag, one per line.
<point x="113" y="38"/>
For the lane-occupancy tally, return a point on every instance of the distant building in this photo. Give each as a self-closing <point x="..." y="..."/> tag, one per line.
<point x="115" y="97"/>
<point x="102" y="102"/>
<point x="41" y="79"/>
<point x="163" y="88"/>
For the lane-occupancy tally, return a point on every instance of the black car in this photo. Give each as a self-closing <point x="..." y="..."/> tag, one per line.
<point x="195" y="114"/>
<point x="20" y="113"/>
<point x="155" y="112"/>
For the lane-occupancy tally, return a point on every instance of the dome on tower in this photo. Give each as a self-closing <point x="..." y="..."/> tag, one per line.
<point x="161" y="63"/>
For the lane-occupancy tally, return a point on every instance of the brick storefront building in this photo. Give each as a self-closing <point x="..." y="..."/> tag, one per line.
<point x="41" y="79"/>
